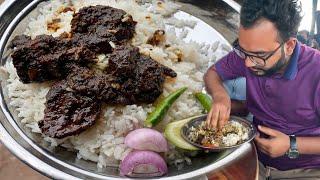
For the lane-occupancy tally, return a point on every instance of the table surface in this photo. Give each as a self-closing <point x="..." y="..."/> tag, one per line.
<point x="12" y="168"/>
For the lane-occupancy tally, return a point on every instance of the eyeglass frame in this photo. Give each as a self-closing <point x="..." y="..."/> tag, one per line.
<point x="238" y="50"/>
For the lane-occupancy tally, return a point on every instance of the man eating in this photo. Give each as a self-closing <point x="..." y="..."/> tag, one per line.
<point x="282" y="89"/>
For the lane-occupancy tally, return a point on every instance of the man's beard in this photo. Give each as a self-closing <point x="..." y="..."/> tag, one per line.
<point x="275" y="68"/>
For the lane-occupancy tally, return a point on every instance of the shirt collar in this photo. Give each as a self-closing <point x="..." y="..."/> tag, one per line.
<point x="292" y="68"/>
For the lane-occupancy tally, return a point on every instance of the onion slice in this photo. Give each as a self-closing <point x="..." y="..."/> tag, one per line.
<point x="146" y="139"/>
<point x="143" y="164"/>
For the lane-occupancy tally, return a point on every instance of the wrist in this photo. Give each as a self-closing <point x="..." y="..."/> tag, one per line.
<point x="221" y="94"/>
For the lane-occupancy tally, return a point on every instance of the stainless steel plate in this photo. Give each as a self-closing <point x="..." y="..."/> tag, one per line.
<point x="216" y="19"/>
<point x="185" y="131"/>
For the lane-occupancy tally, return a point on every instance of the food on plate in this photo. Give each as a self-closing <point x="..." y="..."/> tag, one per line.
<point x="97" y="26"/>
<point x="144" y="161"/>
<point x="146" y="139"/>
<point x="233" y="133"/>
<point x="46" y="58"/>
<point x="129" y="78"/>
<point x="161" y="109"/>
<point x="205" y="100"/>
<point x="141" y="79"/>
<point x="68" y="113"/>
<point x="93" y="28"/>
<point x="157" y="38"/>
<point x="143" y="164"/>
<point x="107" y="70"/>
<point x="172" y="133"/>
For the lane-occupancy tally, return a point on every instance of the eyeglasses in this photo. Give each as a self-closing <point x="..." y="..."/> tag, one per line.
<point x="257" y="60"/>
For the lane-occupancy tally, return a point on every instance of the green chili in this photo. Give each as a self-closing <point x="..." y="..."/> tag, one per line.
<point x="163" y="106"/>
<point x="204" y="100"/>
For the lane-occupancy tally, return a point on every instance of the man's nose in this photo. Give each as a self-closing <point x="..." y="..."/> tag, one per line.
<point x="248" y="62"/>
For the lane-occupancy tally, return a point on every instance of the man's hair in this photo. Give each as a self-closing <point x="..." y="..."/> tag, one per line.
<point x="284" y="14"/>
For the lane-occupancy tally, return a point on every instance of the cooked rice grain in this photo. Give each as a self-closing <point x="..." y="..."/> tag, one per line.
<point x="104" y="142"/>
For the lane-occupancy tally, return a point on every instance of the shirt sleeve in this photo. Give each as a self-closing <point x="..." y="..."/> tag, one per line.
<point x="230" y="66"/>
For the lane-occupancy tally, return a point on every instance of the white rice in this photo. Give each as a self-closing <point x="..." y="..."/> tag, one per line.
<point x="104" y="142"/>
<point x="232" y="139"/>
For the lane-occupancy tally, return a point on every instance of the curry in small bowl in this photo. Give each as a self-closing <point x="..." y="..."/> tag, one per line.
<point x="235" y="133"/>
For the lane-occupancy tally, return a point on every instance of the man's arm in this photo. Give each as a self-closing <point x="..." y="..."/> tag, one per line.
<point x="279" y="143"/>
<point x="214" y="87"/>
<point x="213" y="83"/>
<point x="308" y="145"/>
<point x="221" y="105"/>
<point x="230" y="66"/>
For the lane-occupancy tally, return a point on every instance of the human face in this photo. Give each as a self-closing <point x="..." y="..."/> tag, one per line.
<point x="265" y="55"/>
<point x="255" y="58"/>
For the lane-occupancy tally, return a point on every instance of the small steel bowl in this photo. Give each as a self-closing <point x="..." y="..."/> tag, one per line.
<point x="185" y="130"/>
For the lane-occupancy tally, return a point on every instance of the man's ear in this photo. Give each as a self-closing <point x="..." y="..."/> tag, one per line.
<point x="289" y="46"/>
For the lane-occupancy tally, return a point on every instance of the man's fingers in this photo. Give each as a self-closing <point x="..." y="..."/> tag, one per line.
<point x="218" y="116"/>
<point x="214" y="118"/>
<point x="261" y="146"/>
<point x="257" y="135"/>
<point x="223" y="119"/>
<point x="211" y="122"/>
<point x="209" y="117"/>
<point x="227" y="116"/>
<point x="261" y="142"/>
<point x="264" y="151"/>
<point x="268" y="131"/>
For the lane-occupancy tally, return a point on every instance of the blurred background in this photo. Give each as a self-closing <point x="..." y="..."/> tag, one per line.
<point x="309" y="30"/>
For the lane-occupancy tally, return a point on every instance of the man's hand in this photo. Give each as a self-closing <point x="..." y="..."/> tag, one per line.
<point x="220" y="111"/>
<point x="277" y="145"/>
